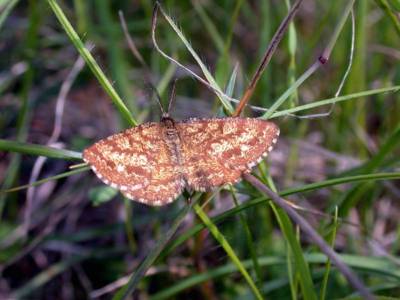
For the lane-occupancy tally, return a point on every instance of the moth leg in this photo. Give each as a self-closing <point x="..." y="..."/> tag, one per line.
<point x="188" y="194"/>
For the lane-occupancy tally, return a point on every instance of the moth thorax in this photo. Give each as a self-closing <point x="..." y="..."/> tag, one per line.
<point x="169" y="125"/>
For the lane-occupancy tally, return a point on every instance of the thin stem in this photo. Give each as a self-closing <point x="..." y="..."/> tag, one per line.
<point x="384" y="4"/>
<point x="228" y="249"/>
<point x="321" y="60"/>
<point x="267" y="57"/>
<point x="59" y="112"/>
<point x="210" y="82"/>
<point x="288" y="92"/>
<point x="313" y="235"/>
<point x="130" y="41"/>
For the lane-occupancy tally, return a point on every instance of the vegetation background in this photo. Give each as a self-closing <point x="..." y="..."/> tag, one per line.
<point x="74" y="238"/>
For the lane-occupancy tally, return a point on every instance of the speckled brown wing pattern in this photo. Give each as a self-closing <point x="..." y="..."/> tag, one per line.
<point x="138" y="163"/>
<point x="219" y="151"/>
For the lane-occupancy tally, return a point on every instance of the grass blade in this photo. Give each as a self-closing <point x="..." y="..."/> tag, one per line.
<point x="329" y="101"/>
<point x="39" y="182"/>
<point x="7" y="10"/>
<point x="328" y="263"/>
<point x="38" y="150"/>
<point x="228" y="249"/>
<point x="301" y="266"/>
<point x="90" y="61"/>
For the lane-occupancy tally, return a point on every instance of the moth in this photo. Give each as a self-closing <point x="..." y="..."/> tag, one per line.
<point x="153" y="162"/>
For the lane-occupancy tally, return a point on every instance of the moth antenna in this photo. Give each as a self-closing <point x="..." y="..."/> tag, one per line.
<point x="173" y="95"/>
<point x="158" y="98"/>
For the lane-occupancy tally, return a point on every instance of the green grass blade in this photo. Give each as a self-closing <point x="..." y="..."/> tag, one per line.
<point x="251" y="246"/>
<point x="330" y="101"/>
<point x="290" y="91"/>
<point x="292" y="47"/>
<point x="90" y="61"/>
<point x="328" y="263"/>
<point x="378" y="265"/>
<point x="39" y="182"/>
<point x="231" y="83"/>
<point x="299" y="272"/>
<point x="38" y="150"/>
<point x="340" y="180"/>
<point x="356" y="111"/>
<point x="10" y="179"/>
<point x="228" y="249"/>
<point x="7" y="10"/>
<point x="385" y="6"/>
<point x="301" y="266"/>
